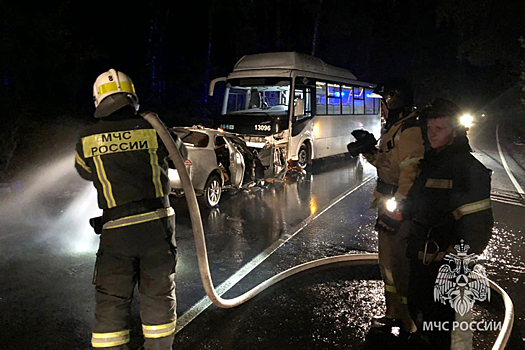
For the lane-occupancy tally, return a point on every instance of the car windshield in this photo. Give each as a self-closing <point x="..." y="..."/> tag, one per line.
<point x="192" y="138"/>
<point x="256" y="95"/>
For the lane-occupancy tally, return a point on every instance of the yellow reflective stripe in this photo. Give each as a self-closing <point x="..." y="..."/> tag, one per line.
<point x="439" y="183"/>
<point x="159" y="331"/>
<point x="404" y="300"/>
<point x="471" y="208"/>
<point x="110" y="335"/>
<point x="106" y="340"/>
<point x="81" y="162"/>
<point x="125" y="86"/>
<point x="155" y="172"/>
<point x="119" y="141"/>
<point x="139" y="218"/>
<point x="107" y="190"/>
<point x="108" y="87"/>
<point x="409" y="161"/>
<point x="389" y="288"/>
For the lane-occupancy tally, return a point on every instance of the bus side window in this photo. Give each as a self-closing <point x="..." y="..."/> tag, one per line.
<point x="347" y="99"/>
<point x="369" y="102"/>
<point x="359" y="100"/>
<point x="320" y="97"/>
<point x="304" y="94"/>
<point x="334" y="99"/>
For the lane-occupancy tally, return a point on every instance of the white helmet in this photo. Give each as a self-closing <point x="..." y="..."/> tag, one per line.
<point x="113" y="90"/>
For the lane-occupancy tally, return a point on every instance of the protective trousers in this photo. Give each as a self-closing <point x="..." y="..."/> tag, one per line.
<point x="426" y="312"/>
<point x="143" y="253"/>
<point x="395" y="271"/>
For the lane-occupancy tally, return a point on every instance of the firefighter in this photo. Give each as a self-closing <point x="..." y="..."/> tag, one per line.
<point x="448" y="203"/>
<point x="396" y="158"/>
<point x="127" y="163"/>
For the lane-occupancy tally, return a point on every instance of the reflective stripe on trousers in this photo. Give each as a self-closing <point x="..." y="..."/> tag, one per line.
<point x="106" y="340"/>
<point x="390" y="288"/>
<point x="159" y="331"/>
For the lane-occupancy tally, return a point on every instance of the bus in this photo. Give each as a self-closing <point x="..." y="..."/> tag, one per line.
<point x="302" y="107"/>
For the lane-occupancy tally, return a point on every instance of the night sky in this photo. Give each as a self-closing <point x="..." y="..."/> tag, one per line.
<point x="51" y="52"/>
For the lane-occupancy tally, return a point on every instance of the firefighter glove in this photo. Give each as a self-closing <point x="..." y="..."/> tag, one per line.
<point x="388" y="224"/>
<point x="365" y="143"/>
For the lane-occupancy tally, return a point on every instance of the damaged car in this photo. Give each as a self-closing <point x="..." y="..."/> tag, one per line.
<point x="216" y="161"/>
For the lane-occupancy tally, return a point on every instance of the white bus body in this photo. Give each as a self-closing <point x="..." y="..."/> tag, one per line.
<point x="297" y="103"/>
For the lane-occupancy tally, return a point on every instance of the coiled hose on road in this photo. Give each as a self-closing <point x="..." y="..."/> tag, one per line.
<point x="202" y="255"/>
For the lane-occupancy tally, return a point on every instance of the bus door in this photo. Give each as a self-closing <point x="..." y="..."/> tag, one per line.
<point x="302" y="113"/>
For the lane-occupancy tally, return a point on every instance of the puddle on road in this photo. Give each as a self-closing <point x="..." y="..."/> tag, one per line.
<point x="504" y="254"/>
<point x="348" y="306"/>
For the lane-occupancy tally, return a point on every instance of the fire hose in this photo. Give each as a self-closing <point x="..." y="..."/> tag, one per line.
<point x="202" y="255"/>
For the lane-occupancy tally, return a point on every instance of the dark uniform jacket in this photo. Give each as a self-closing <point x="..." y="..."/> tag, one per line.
<point x="450" y="201"/>
<point x="126" y="160"/>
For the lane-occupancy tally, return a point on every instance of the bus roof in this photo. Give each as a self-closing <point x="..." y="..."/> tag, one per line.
<point x="288" y="61"/>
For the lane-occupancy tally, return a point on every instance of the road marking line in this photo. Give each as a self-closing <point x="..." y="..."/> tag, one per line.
<point x="507" y="202"/>
<point x="506" y="167"/>
<point x="205" y="302"/>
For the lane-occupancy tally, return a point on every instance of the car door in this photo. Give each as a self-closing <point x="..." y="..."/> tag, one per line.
<point x="237" y="165"/>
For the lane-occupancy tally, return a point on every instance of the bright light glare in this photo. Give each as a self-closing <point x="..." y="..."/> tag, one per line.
<point x="466" y="120"/>
<point x="316" y="130"/>
<point x="173" y="174"/>
<point x="313" y="205"/>
<point x="391" y="205"/>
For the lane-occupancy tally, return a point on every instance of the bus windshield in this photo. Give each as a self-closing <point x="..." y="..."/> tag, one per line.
<point x="257" y="95"/>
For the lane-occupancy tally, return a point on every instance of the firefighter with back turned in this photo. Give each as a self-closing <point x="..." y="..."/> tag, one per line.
<point x="128" y="163"/>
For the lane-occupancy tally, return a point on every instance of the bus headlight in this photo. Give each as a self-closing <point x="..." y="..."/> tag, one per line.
<point x="466" y="120"/>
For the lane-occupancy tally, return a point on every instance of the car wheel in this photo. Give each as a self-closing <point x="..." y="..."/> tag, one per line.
<point x="303" y="157"/>
<point x="212" y="192"/>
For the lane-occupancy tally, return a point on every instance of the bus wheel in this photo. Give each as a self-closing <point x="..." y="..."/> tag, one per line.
<point x="303" y="157"/>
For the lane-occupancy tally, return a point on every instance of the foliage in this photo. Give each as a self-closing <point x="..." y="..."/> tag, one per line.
<point x="466" y="50"/>
<point x="522" y="70"/>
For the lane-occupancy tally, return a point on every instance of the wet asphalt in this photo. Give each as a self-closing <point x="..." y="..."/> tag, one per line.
<point x="47" y="256"/>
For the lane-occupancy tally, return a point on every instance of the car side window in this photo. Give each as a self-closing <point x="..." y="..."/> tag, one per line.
<point x="219" y="142"/>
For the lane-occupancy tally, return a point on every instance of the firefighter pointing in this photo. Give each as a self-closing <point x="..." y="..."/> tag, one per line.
<point x="396" y="158"/>
<point x="127" y="163"/>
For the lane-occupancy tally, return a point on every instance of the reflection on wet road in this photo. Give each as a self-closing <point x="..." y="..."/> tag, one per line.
<point x="47" y="254"/>
<point x="47" y="247"/>
<point x="247" y="223"/>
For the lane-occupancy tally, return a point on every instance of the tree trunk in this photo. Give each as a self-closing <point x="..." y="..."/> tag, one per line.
<point x="278" y="29"/>
<point x="208" y="53"/>
<point x="316" y="28"/>
<point x="156" y="54"/>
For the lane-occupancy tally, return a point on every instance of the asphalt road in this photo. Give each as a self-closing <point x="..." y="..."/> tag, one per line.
<point x="47" y="256"/>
